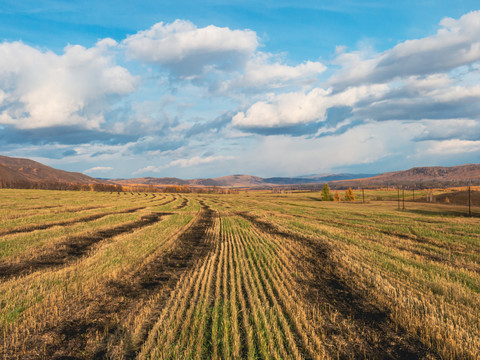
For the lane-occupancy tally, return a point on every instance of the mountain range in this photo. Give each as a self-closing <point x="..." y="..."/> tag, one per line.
<point x="241" y="180"/>
<point x="17" y="171"/>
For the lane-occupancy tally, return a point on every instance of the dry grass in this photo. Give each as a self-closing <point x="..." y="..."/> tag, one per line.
<point x="245" y="276"/>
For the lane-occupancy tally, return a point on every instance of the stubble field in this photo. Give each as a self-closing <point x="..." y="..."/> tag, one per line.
<point x="87" y="275"/>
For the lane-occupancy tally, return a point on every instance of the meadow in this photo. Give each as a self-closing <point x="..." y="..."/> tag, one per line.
<point x="257" y="275"/>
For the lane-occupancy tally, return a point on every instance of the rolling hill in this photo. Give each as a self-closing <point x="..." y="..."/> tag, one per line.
<point x="240" y="181"/>
<point x="459" y="175"/>
<point x="17" y="170"/>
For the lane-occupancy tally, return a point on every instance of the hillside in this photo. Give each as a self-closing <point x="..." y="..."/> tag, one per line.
<point x="434" y="175"/>
<point x="244" y="181"/>
<point x="17" y="170"/>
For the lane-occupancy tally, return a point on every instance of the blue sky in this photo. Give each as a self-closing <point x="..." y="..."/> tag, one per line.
<point x="271" y="88"/>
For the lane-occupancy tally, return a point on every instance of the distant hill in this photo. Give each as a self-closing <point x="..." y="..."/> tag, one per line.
<point x="23" y="171"/>
<point x="227" y="181"/>
<point x="460" y="175"/>
<point x="17" y="170"/>
<point x="241" y="181"/>
<point x="314" y="179"/>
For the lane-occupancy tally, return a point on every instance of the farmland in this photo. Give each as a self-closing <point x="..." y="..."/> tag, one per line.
<point x="88" y="275"/>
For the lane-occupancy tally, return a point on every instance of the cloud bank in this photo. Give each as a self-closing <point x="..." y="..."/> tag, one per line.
<point x="179" y="97"/>
<point x="42" y="89"/>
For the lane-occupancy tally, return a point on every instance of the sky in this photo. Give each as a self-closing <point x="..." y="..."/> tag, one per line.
<point x="122" y="89"/>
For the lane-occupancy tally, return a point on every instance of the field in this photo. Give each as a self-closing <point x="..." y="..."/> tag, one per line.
<point x="87" y="275"/>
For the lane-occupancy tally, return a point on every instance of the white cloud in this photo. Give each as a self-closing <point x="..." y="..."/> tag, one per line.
<point x="227" y="59"/>
<point x="451" y="147"/>
<point x="262" y="71"/>
<point x="98" y="169"/>
<point x="197" y="160"/>
<point x="188" y="50"/>
<point x="301" y="108"/>
<point x="456" y="43"/>
<point x="464" y="129"/>
<point x="43" y="89"/>
<point x="282" y="155"/>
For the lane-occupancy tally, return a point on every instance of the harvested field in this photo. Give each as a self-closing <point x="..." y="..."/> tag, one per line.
<point x="187" y="276"/>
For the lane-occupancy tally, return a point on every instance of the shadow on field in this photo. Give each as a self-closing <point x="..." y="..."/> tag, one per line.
<point x="67" y="222"/>
<point x="101" y="317"/>
<point x="72" y="248"/>
<point x="377" y="337"/>
<point x="443" y="212"/>
<point x="183" y="204"/>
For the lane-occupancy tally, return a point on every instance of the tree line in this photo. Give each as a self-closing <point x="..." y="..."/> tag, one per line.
<point x="105" y="187"/>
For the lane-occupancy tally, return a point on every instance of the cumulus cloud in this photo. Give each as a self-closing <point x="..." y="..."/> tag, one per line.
<point x="188" y="50"/>
<point x="42" y="89"/>
<point x="218" y="94"/>
<point x="444" y="129"/>
<point x="453" y="146"/>
<point x="228" y="60"/>
<point x="265" y="71"/>
<point x="417" y="80"/>
<point x="412" y="100"/>
<point x="456" y="43"/>
<point x="98" y="169"/>
<point x="298" y="108"/>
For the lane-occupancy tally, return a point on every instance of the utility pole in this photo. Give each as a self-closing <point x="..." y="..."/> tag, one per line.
<point x="403" y="196"/>
<point x="413" y="194"/>
<point x="398" y="196"/>
<point x="469" y="202"/>
<point x="363" y="195"/>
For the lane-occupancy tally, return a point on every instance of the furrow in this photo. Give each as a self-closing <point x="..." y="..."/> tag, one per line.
<point x="72" y="248"/>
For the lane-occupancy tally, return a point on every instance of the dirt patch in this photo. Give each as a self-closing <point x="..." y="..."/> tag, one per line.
<point x="101" y="317"/>
<point x="67" y="222"/>
<point x="380" y="338"/>
<point x="72" y="248"/>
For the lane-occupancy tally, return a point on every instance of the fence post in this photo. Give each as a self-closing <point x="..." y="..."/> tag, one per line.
<point x="403" y="196"/>
<point x="363" y="195"/>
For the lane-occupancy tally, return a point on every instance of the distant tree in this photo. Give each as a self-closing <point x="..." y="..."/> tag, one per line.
<point x="349" y="195"/>
<point x="337" y="197"/>
<point x="326" y="196"/>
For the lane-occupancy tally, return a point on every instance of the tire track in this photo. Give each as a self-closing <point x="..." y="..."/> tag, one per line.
<point x="105" y="313"/>
<point x="183" y="204"/>
<point x="67" y="222"/>
<point x="329" y="287"/>
<point x="167" y="202"/>
<point x="72" y="248"/>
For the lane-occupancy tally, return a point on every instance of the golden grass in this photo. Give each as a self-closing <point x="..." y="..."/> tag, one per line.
<point x="256" y="275"/>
